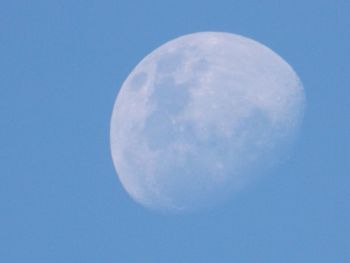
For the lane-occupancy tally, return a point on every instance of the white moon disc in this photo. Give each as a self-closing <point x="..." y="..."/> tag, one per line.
<point x="201" y="116"/>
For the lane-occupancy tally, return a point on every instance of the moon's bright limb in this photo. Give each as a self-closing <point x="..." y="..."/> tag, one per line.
<point x="199" y="117"/>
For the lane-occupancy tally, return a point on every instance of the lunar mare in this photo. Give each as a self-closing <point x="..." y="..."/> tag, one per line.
<point x="200" y="117"/>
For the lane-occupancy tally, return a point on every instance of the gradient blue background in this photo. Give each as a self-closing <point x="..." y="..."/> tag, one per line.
<point x="61" y="66"/>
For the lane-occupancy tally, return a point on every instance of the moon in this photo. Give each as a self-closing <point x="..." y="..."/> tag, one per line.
<point x="200" y="118"/>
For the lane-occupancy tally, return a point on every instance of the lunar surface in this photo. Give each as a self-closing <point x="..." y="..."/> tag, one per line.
<point x="201" y="117"/>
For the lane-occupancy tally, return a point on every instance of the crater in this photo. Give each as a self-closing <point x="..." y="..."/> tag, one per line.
<point x="168" y="63"/>
<point x="170" y="96"/>
<point x="138" y="81"/>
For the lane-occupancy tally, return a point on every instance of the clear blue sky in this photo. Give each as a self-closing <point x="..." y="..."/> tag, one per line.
<point x="61" y="65"/>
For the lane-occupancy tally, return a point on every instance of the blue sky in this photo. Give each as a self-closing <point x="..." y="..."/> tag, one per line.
<point x="61" y="66"/>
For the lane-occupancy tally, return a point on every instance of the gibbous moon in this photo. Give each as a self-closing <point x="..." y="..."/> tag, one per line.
<point x="201" y="117"/>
